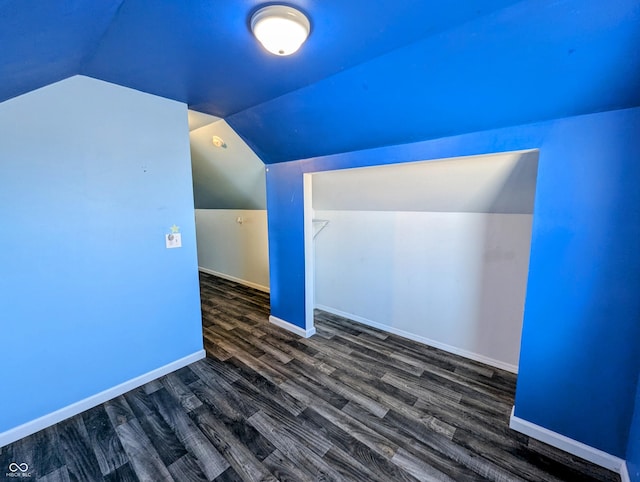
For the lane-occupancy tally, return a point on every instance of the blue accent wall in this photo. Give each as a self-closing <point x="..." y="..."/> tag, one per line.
<point x="92" y="176"/>
<point x="579" y="356"/>
<point x="633" y="450"/>
<point x="286" y="242"/>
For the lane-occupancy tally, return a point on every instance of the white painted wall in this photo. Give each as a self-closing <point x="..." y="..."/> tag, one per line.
<point x="237" y="251"/>
<point x="452" y="280"/>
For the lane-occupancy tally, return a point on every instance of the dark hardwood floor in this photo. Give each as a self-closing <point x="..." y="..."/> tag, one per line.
<point x="350" y="403"/>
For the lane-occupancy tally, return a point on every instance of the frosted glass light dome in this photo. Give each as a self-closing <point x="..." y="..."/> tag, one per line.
<point x="280" y="29"/>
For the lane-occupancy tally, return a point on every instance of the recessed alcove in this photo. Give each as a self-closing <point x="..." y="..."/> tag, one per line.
<point x="437" y="251"/>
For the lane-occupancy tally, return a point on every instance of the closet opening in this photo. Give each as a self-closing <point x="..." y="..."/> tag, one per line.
<point x="435" y="251"/>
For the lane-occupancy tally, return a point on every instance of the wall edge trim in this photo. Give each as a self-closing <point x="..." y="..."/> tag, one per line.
<point x="309" y="251"/>
<point x="421" y="339"/>
<point x="569" y="445"/>
<point x="244" y="282"/>
<point x="292" y="328"/>
<point x="80" y="406"/>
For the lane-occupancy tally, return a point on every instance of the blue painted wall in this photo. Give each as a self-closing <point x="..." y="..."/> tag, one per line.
<point x="633" y="450"/>
<point x="286" y="242"/>
<point x="579" y="358"/>
<point x="92" y="175"/>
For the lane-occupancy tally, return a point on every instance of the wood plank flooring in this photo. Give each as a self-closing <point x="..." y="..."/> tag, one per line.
<point x="350" y="403"/>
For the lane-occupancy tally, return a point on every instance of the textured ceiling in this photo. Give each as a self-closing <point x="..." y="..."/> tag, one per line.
<point x="371" y="73"/>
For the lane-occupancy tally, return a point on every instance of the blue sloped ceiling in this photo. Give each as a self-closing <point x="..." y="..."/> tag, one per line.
<point x="530" y="62"/>
<point x="371" y="73"/>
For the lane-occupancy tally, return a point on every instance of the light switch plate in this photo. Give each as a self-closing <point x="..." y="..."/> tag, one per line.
<point x="173" y="240"/>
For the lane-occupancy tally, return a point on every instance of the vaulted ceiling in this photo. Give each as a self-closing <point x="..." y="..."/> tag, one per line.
<point x="372" y="73"/>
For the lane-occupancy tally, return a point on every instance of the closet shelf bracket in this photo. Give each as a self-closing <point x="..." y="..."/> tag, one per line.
<point x="319" y="225"/>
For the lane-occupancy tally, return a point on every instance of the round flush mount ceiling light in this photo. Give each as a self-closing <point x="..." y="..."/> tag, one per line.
<point x="280" y="29"/>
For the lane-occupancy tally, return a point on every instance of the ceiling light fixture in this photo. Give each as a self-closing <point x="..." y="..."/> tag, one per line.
<point x="280" y="29"/>
<point x="218" y="142"/>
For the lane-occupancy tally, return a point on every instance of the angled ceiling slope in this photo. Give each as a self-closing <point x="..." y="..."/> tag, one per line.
<point x="229" y="176"/>
<point x="498" y="183"/>
<point x="44" y="42"/>
<point x="371" y="73"/>
<point x="203" y="53"/>
<point x="533" y="61"/>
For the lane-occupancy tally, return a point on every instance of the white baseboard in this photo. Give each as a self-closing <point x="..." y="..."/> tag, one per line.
<point x="292" y="328"/>
<point x="624" y="473"/>
<point x="250" y="284"/>
<point x="421" y="339"/>
<point x="569" y="445"/>
<point x="52" y="418"/>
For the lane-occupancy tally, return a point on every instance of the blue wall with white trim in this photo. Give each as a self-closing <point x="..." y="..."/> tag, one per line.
<point x="579" y="355"/>
<point x="92" y="176"/>
<point x="633" y="450"/>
